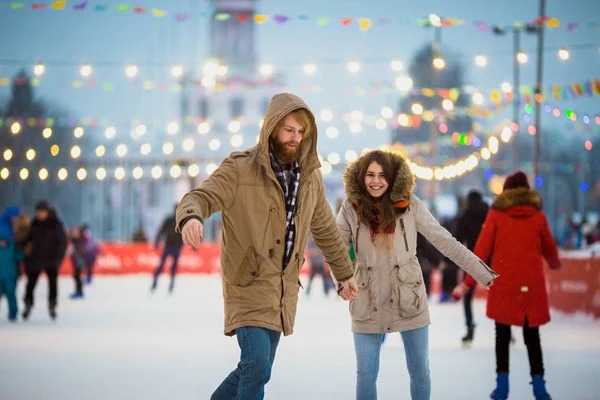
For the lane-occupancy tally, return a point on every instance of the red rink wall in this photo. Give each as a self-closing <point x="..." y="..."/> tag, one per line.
<point x="574" y="288"/>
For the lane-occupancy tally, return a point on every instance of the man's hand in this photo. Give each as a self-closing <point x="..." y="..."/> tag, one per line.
<point x="192" y="233"/>
<point x="349" y="289"/>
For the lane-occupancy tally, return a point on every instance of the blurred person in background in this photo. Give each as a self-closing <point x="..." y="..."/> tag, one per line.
<point x="317" y="267"/>
<point x="468" y="227"/>
<point x="382" y="217"/>
<point x="516" y="236"/>
<point x="10" y="256"/>
<point x="77" y="251"/>
<point x="271" y="196"/>
<point x="429" y="259"/>
<point x="172" y="248"/>
<point x="46" y="244"/>
<point x="90" y="251"/>
<point x="448" y="268"/>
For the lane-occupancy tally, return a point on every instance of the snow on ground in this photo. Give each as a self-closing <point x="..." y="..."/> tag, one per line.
<point x="121" y="342"/>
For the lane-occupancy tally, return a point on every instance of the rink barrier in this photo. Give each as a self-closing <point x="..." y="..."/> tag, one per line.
<point x="574" y="288"/>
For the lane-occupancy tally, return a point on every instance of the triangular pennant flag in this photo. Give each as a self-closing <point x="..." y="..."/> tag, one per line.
<point x="454" y="93"/>
<point x="139" y="10"/>
<point x="364" y="24"/>
<point x="180" y="17"/>
<point x="58" y="5"/>
<point x="222" y="16"/>
<point x="572" y="26"/>
<point x="482" y="26"/>
<point x="38" y="6"/>
<point x="101" y="7"/>
<point x="541" y="20"/>
<point x="596" y="86"/>
<point x="303" y="17"/>
<point x="423" y="21"/>
<point x="280" y="19"/>
<point x="346" y="21"/>
<point x="384" y="21"/>
<point x="578" y="89"/>
<point x="259" y="19"/>
<point x="80" y="6"/>
<point x="243" y="17"/>
<point x="454" y="21"/>
<point x="322" y="21"/>
<point x="122" y="7"/>
<point x="16" y="6"/>
<point x="158" y="13"/>
<point x="553" y="23"/>
<point x="108" y="86"/>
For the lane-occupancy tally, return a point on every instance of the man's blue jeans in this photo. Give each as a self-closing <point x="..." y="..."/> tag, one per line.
<point x="416" y="348"/>
<point x="248" y="380"/>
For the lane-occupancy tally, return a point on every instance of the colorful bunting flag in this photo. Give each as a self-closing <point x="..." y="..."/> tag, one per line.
<point x="158" y="13"/>
<point x="58" y="5"/>
<point x="364" y="23"/>
<point x="81" y="6"/>
<point x="260" y="19"/>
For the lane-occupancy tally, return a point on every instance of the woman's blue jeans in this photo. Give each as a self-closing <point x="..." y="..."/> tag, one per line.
<point x="416" y="347"/>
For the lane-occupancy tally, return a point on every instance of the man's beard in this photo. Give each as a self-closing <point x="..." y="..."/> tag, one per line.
<point x="284" y="154"/>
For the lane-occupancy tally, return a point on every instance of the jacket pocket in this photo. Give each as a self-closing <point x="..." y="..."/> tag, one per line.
<point x="362" y="307"/>
<point x="248" y="270"/>
<point x="408" y="290"/>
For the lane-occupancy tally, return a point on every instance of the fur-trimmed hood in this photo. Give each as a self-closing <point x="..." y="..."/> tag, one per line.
<point x="402" y="188"/>
<point x="522" y="196"/>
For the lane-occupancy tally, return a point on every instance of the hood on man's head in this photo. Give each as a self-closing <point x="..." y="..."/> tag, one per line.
<point x="281" y="105"/>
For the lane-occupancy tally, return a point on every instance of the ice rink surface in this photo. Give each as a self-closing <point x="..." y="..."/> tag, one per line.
<point x="121" y="342"/>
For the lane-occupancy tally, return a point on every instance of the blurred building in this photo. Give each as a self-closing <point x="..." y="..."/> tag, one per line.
<point x="221" y="109"/>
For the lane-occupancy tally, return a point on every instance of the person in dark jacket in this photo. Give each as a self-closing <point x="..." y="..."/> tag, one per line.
<point x="429" y="258"/>
<point x="173" y="244"/>
<point x="468" y="227"/>
<point x="46" y="244"/>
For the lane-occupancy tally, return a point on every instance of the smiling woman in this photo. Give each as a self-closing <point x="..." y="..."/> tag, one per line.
<point x="380" y="219"/>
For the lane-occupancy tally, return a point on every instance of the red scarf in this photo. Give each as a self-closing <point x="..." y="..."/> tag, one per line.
<point x="400" y="207"/>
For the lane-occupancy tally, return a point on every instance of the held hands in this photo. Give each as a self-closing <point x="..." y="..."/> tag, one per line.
<point x="348" y="290"/>
<point x="192" y="233"/>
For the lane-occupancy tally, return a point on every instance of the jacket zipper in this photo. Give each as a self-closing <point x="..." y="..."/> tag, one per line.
<point x="404" y="234"/>
<point x="356" y="239"/>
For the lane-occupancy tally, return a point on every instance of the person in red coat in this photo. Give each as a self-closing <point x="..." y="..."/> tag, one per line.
<point x="516" y="236"/>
